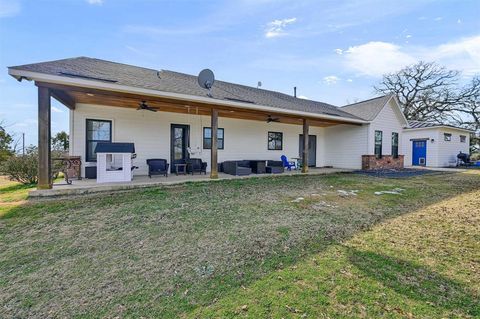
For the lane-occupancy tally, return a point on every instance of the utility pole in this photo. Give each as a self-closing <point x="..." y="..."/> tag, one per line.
<point x="23" y="144"/>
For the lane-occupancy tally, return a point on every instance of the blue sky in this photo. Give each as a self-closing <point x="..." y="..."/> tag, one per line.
<point x="333" y="51"/>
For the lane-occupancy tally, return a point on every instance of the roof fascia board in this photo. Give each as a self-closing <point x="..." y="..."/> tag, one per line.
<point x="397" y="102"/>
<point x="439" y="127"/>
<point x="41" y="77"/>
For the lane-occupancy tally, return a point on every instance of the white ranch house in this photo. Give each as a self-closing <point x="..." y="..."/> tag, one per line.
<point x="250" y="123"/>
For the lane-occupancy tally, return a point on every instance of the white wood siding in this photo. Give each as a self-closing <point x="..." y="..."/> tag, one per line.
<point x="432" y="147"/>
<point x="150" y="132"/>
<point x="389" y="120"/>
<point x="344" y="145"/>
<point x="439" y="152"/>
<point x="447" y="151"/>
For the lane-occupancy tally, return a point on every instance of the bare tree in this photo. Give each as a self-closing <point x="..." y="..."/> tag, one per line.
<point x="466" y="112"/>
<point x="426" y="90"/>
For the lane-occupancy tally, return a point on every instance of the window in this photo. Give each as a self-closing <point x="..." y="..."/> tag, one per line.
<point x="447" y="137"/>
<point x="207" y="138"/>
<point x="395" y="145"/>
<point x="463" y="139"/>
<point x="275" y="141"/>
<point x="378" y="144"/>
<point x="97" y="131"/>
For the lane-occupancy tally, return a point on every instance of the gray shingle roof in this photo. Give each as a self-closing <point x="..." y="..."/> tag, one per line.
<point x="420" y="124"/>
<point x="174" y="82"/>
<point x="367" y="109"/>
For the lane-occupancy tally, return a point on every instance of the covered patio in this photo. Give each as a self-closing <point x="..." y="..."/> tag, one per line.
<point x="99" y="88"/>
<point x="70" y="95"/>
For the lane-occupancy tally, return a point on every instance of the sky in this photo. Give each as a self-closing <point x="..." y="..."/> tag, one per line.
<point x="332" y="51"/>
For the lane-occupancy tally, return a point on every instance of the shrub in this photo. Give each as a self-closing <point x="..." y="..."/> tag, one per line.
<point x="475" y="157"/>
<point x="24" y="168"/>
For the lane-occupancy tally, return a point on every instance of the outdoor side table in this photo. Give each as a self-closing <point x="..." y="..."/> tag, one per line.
<point x="181" y="169"/>
<point x="258" y="167"/>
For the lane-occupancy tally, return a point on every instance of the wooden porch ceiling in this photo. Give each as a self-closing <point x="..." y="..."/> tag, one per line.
<point x="69" y="95"/>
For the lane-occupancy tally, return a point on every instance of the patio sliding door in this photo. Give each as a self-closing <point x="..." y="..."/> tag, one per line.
<point x="179" y="142"/>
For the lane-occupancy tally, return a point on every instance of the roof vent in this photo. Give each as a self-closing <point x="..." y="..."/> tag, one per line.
<point x="87" y="77"/>
<point x="333" y="114"/>
<point x="239" y="100"/>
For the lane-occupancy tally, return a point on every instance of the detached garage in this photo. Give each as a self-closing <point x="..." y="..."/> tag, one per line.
<point x="434" y="145"/>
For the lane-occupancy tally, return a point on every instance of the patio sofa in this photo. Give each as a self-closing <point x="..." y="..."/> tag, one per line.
<point x="274" y="167"/>
<point x="237" y="168"/>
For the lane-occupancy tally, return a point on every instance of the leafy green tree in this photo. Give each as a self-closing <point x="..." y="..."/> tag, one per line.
<point x="60" y="142"/>
<point x="5" y="144"/>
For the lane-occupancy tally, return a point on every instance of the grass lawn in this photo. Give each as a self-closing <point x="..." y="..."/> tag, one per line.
<point x="247" y="248"/>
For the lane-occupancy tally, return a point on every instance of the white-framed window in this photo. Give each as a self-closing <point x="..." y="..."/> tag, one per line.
<point x="447" y="137"/>
<point x="463" y="139"/>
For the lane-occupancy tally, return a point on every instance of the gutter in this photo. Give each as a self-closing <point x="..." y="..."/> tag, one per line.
<point x="439" y="126"/>
<point x="41" y="77"/>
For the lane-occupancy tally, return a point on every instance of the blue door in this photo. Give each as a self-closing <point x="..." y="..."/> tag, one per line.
<point x="419" y="154"/>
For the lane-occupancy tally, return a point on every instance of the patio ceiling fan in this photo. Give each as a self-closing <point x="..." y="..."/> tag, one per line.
<point x="272" y="119"/>
<point x="144" y="106"/>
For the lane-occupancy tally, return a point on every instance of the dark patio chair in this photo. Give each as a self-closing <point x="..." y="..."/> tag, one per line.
<point x="195" y="165"/>
<point x="157" y="166"/>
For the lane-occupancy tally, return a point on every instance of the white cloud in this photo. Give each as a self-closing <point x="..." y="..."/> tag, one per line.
<point x="378" y="58"/>
<point x="56" y="109"/>
<point x="459" y="21"/>
<point x="331" y="79"/>
<point x="338" y="51"/>
<point x="26" y="123"/>
<point x="9" y="8"/>
<point x="438" y="19"/>
<point x="95" y="2"/>
<point x="303" y="97"/>
<point x="276" y="28"/>
<point x="463" y="55"/>
<point x="349" y="80"/>
<point x="408" y="36"/>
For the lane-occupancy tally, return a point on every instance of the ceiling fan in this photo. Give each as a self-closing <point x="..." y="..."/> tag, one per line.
<point x="144" y="106"/>
<point x="272" y="119"/>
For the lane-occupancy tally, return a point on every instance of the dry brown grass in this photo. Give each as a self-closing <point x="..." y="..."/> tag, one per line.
<point x="166" y="251"/>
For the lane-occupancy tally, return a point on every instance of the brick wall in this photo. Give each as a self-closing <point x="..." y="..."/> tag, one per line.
<point x="385" y="162"/>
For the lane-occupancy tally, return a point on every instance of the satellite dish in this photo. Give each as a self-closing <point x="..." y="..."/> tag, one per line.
<point x="206" y="78"/>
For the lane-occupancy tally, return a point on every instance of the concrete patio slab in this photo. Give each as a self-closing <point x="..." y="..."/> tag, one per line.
<point x="89" y="186"/>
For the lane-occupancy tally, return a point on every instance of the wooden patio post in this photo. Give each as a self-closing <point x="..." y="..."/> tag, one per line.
<point x="305" y="147"/>
<point x="214" y="148"/>
<point x="44" y="134"/>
